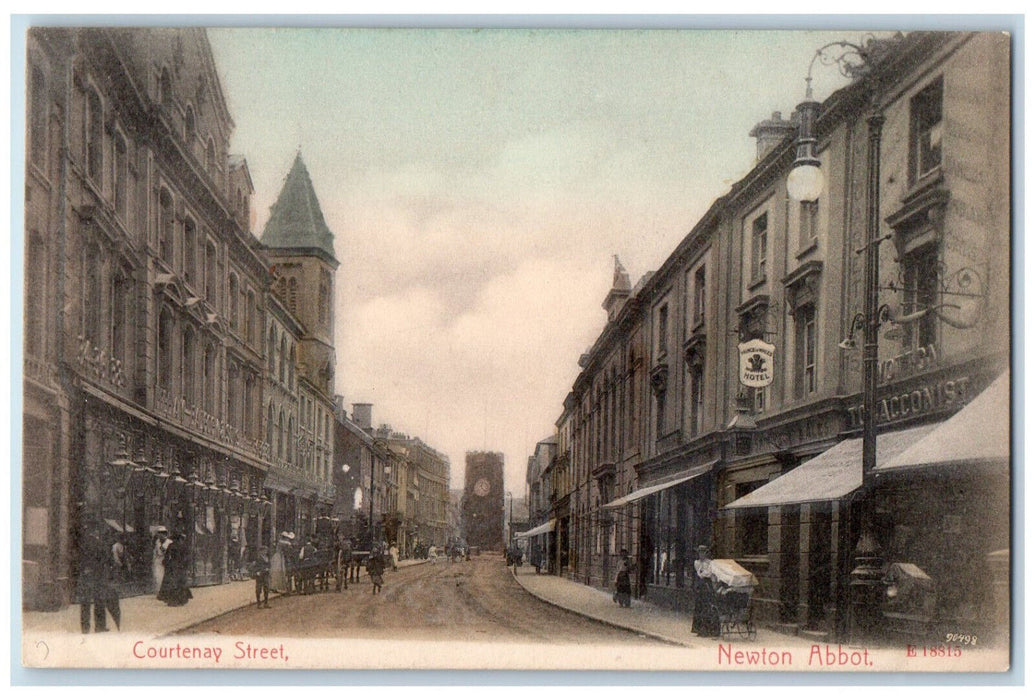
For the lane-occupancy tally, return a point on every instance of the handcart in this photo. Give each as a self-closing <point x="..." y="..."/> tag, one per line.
<point x="733" y="586"/>
<point x="909" y="600"/>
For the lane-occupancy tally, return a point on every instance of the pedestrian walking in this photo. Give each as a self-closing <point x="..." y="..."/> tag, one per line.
<point x="260" y="569"/>
<point x="175" y="591"/>
<point x="95" y="591"/>
<point x="376" y="569"/>
<point x="291" y="552"/>
<point x="623" y="583"/>
<point x="119" y="562"/>
<point x="343" y="563"/>
<point x="158" y="546"/>
<point x="393" y="552"/>
<point x="307" y="566"/>
<point x="278" y="565"/>
<point x="706" y="615"/>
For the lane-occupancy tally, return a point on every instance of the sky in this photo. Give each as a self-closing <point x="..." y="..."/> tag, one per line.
<point x="478" y="184"/>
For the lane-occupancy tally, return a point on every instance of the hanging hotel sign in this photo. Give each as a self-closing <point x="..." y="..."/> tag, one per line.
<point x="756" y="363"/>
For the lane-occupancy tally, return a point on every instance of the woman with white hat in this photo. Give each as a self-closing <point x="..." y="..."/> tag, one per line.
<point x="278" y="565"/>
<point x="159" y="545"/>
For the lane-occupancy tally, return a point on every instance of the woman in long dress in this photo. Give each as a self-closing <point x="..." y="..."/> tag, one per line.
<point x="706" y="618"/>
<point x="623" y="583"/>
<point x="161" y="542"/>
<point x="278" y="567"/>
<point x="174" y="590"/>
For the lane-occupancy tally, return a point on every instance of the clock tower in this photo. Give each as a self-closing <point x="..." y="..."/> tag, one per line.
<point x="483" y="500"/>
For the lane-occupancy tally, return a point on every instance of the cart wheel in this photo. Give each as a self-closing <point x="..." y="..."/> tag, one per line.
<point x="752" y="632"/>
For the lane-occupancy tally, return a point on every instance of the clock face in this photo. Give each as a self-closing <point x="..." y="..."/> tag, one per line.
<point x="481" y="487"/>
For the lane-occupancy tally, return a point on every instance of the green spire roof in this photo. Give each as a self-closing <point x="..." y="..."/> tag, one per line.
<point x="295" y="219"/>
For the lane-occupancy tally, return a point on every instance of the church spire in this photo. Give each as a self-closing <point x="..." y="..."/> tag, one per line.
<point x="296" y="220"/>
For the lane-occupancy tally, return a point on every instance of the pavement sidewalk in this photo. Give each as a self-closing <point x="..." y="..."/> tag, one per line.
<point x="146" y="615"/>
<point x="643" y="618"/>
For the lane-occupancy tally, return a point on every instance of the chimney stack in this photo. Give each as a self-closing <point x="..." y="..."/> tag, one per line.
<point x="769" y="133"/>
<point x="362" y="415"/>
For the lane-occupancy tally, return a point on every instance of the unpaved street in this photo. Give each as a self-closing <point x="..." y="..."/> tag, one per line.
<point x="442" y="601"/>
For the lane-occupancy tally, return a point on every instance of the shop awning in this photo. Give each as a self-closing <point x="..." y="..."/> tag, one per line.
<point x="538" y="530"/>
<point x="648" y="490"/>
<point x="979" y="432"/>
<point x="832" y="474"/>
<point x="114" y="525"/>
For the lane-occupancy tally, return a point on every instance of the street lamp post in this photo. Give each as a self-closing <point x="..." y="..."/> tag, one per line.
<point x="510" y="524"/>
<point x="805" y="183"/>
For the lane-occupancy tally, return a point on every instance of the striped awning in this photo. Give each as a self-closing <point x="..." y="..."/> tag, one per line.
<point x="977" y="433"/>
<point x="829" y="475"/>
<point x="667" y="484"/>
<point x="538" y="530"/>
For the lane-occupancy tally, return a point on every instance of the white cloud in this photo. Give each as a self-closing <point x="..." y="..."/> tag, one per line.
<point x="485" y="378"/>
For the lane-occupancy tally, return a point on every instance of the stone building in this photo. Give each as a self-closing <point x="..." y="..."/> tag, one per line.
<point x="300" y="249"/>
<point x="147" y="380"/>
<point x="671" y="450"/>
<point x="406" y="496"/>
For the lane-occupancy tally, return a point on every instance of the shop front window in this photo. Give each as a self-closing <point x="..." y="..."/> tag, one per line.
<point x="752" y="525"/>
<point x="669" y="540"/>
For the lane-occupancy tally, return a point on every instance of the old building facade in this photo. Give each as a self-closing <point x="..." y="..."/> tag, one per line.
<point x="669" y="444"/>
<point x="152" y="386"/>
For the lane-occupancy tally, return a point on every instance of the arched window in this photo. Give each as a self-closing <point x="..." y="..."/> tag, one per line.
<point x="165" y="92"/>
<point x="291" y="368"/>
<point x="189" y="372"/>
<point x="211" y="279"/>
<point x="269" y="428"/>
<point x="120" y="179"/>
<point x="166" y="223"/>
<point x="94" y="136"/>
<point x="271" y="353"/>
<point x="190" y="251"/>
<point x="282" y="357"/>
<point x="325" y="299"/>
<point x="121" y="303"/>
<point x="292" y="443"/>
<point x="210" y="157"/>
<point x="165" y="351"/>
<point x="232" y="312"/>
<point x="249" y="405"/>
<point x="280" y="435"/>
<point x="36" y="288"/>
<point x="92" y="300"/>
<point x="38" y="113"/>
<point x="233" y="376"/>
<point x="189" y="128"/>
<point x="292" y="295"/>
<point x="209" y="379"/>
<point x="251" y="316"/>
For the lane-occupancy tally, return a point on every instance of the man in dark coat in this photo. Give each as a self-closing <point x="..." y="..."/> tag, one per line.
<point x="376" y="569"/>
<point x="343" y="564"/>
<point x="95" y="586"/>
<point x="623" y="584"/>
<point x="260" y="567"/>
